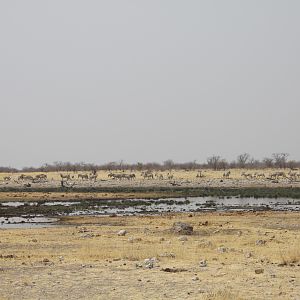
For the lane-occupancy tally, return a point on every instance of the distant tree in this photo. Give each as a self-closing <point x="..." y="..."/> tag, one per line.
<point x="188" y="165"/>
<point x="169" y="164"/>
<point x="292" y="164"/>
<point x="243" y="159"/>
<point x="280" y="159"/>
<point x="213" y="162"/>
<point x="268" y="162"/>
<point x="223" y="164"/>
<point x="139" y="166"/>
<point x="253" y="163"/>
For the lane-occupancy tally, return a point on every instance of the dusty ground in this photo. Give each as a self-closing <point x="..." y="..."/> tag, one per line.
<point x="86" y="259"/>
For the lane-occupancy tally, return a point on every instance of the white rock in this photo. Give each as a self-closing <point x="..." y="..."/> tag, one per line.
<point x="183" y="238"/>
<point x="203" y="263"/>
<point x="222" y="249"/>
<point x="122" y="232"/>
<point x="149" y="262"/>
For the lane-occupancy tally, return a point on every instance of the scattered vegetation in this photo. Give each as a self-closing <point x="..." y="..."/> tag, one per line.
<point x="290" y="256"/>
<point x="215" y="162"/>
<point x="221" y="295"/>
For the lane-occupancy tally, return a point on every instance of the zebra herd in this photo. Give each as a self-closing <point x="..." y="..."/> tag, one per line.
<point x="37" y="178"/>
<point x="91" y="176"/>
<point x="291" y="175"/>
<point x="25" y="178"/>
<point x="145" y="175"/>
<point x="121" y="176"/>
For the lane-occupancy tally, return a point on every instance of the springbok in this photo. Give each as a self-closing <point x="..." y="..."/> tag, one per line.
<point x="277" y="175"/>
<point x="226" y="174"/>
<point x="170" y="176"/>
<point x="148" y="175"/>
<point x="247" y="175"/>
<point x="93" y="177"/>
<point x="199" y="174"/>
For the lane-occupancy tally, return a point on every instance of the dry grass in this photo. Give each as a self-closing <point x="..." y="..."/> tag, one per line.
<point x="221" y="295"/>
<point x="290" y="255"/>
<point x="178" y="174"/>
<point x="94" y="241"/>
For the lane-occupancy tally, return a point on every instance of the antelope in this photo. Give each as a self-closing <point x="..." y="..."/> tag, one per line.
<point x="21" y="177"/>
<point x="132" y="176"/>
<point x="226" y="174"/>
<point x="148" y="176"/>
<point x="93" y="177"/>
<point x="128" y="176"/>
<point x="170" y="176"/>
<point x="68" y="176"/>
<point x="260" y="175"/>
<point x="247" y="175"/>
<point x="277" y="175"/>
<point x="293" y="175"/>
<point x="199" y="174"/>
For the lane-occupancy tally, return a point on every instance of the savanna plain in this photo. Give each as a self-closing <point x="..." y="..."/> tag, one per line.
<point x="240" y="254"/>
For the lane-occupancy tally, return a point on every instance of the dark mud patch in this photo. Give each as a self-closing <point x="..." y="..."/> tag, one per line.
<point x="128" y="207"/>
<point x="174" y="191"/>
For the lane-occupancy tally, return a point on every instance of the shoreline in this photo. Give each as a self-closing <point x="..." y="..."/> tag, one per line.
<point x="123" y="193"/>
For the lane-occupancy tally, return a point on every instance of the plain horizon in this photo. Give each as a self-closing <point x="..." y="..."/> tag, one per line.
<point x="142" y="81"/>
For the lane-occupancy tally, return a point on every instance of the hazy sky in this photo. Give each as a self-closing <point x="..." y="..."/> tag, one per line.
<point x="100" y="81"/>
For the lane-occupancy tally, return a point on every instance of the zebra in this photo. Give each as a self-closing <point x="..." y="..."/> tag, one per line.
<point x="41" y="176"/>
<point x="83" y="176"/>
<point x="25" y="177"/>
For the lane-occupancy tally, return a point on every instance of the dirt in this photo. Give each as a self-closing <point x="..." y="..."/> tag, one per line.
<point x="84" y="258"/>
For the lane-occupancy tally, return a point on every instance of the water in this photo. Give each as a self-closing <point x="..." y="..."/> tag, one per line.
<point x="63" y="203"/>
<point x="191" y="205"/>
<point x="27" y="222"/>
<point x="129" y="207"/>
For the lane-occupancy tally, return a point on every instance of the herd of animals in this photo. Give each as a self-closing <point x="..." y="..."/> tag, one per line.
<point x="291" y="175"/>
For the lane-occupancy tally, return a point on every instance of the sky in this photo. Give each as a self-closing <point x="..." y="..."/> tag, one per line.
<point x="135" y="80"/>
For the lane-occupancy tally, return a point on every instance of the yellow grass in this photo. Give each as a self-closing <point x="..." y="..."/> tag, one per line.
<point x="94" y="241"/>
<point x="221" y="295"/>
<point x="290" y="255"/>
<point x="178" y="174"/>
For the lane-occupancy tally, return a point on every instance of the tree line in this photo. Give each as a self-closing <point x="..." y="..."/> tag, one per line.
<point x="215" y="162"/>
